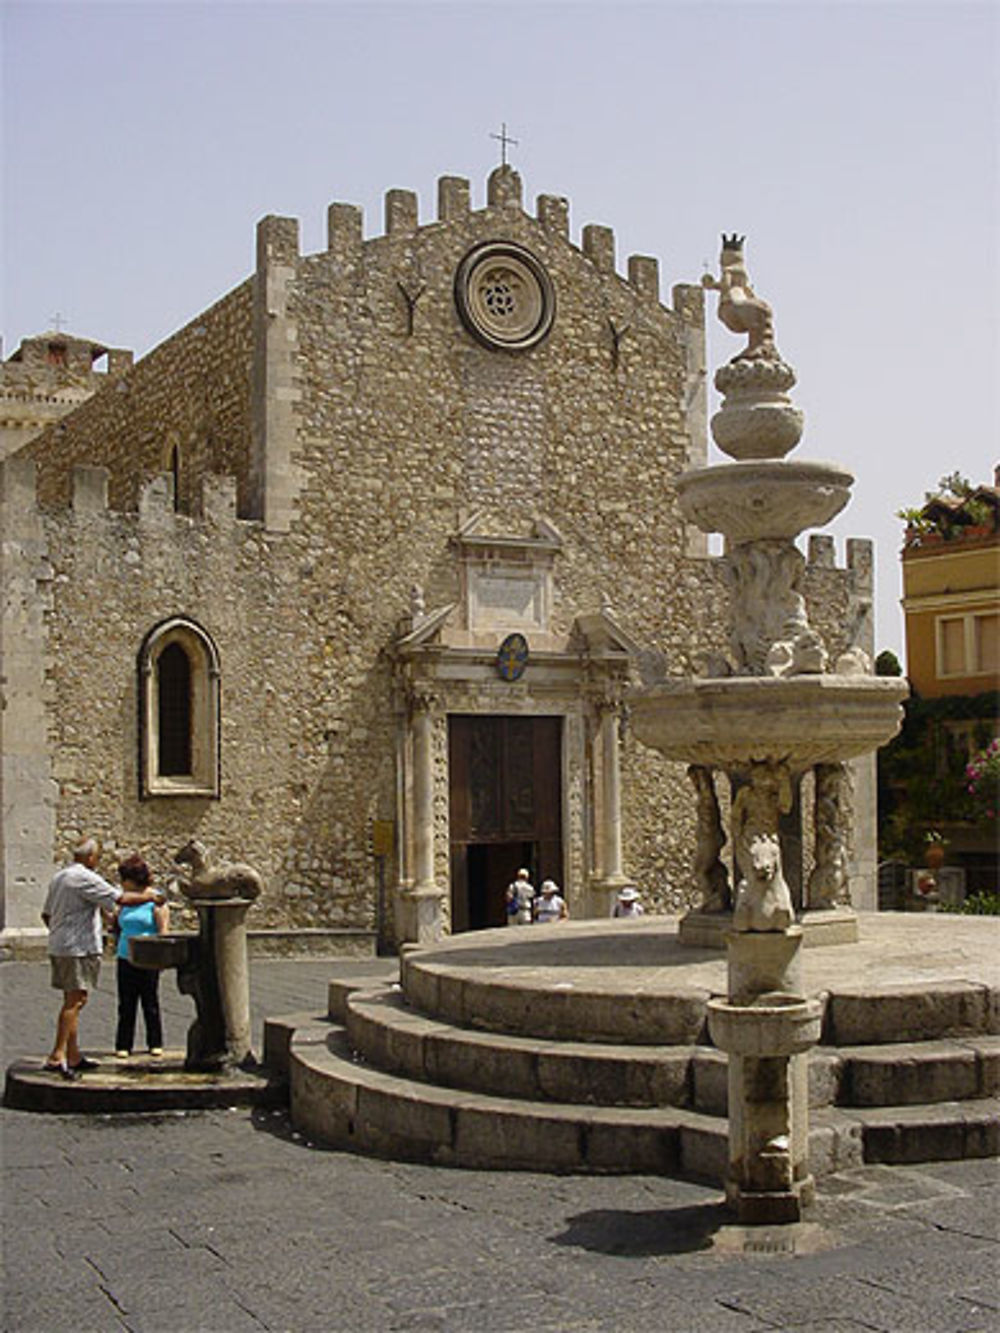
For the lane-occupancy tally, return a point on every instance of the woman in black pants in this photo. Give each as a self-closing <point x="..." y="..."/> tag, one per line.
<point x="138" y="984"/>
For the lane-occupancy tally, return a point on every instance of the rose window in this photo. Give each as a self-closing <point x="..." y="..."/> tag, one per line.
<point x="504" y="296"/>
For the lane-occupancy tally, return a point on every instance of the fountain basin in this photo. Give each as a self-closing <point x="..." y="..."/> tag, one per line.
<point x="775" y="1023"/>
<point x="799" y="720"/>
<point x="160" y="952"/>
<point x="758" y="500"/>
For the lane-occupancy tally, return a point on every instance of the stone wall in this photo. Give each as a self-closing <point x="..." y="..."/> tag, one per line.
<point x="191" y="393"/>
<point x="360" y="424"/>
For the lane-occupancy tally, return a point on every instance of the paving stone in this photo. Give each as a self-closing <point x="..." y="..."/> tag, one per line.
<point x="244" y="1227"/>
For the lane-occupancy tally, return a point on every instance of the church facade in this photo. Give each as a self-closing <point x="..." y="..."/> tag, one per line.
<point x="351" y="576"/>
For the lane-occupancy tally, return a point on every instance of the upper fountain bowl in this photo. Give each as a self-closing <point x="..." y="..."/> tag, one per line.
<point x="763" y="499"/>
<point x="798" y="720"/>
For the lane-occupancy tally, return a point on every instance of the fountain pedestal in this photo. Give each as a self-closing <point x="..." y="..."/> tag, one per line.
<point x="766" y="1027"/>
<point x="213" y="968"/>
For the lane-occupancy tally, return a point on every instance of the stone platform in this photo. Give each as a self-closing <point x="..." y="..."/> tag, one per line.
<point x="583" y="1046"/>
<point x="141" y="1083"/>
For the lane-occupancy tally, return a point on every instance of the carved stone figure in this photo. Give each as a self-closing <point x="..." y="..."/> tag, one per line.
<point x="767" y="606"/>
<point x="829" y="884"/>
<point x="224" y="879"/>
<point x="710" y="873"/>
<point x="803" y="655"/>
<point x="854" y="662"/>
<point x="740" y="308"/>
<point x="763" y="899"/>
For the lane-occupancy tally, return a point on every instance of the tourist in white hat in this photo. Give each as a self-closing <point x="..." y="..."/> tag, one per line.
<point x="551" y="905"/>
<point x="627" y="903"/>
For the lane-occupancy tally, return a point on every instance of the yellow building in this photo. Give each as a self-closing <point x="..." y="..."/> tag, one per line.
<point x="951" y="595"/>
<point x="951" y="601"/>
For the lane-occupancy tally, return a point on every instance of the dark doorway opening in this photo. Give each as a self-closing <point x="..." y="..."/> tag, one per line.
<point x="506" y="811"/>
<point x="489" y="868"/>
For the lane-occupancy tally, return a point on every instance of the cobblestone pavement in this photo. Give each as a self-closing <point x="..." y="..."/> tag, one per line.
<point x="227" y="1221"/>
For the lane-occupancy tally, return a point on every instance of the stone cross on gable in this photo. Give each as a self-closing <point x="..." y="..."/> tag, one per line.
<point x="58" y="320"/>
<point x="504" y="139"/>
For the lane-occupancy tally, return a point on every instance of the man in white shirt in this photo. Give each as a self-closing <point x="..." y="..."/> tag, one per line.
<point x="520" y="895"/>
<point x="72" y="913"/>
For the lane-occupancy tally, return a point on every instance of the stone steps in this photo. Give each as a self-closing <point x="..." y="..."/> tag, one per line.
<point x="910" y="1073"/>
<point x="391" y="1035"/>
<point x="337" y="1098"/>
<point x="586" y="1048"/>
<point x="552" y="1009"/>
<point x="470" y="989"/>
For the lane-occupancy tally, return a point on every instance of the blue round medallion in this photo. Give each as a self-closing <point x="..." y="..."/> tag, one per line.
<point x="512" y="657"/>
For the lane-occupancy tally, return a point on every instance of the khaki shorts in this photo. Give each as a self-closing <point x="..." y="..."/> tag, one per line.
<point x="75" y="972"/>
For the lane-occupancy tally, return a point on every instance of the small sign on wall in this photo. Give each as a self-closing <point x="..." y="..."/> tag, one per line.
<point x="383" y="837"/>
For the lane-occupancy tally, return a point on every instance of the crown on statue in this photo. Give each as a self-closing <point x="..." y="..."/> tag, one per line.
<point x="733" y="242"/>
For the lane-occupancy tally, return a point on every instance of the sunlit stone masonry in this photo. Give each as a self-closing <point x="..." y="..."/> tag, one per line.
<point x="352" y="575"/>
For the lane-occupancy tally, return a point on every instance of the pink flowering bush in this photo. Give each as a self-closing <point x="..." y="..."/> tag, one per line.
<point x="982" y="780"/>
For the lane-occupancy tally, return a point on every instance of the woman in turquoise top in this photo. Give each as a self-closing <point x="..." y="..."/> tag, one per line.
<point x="138" y="985"/>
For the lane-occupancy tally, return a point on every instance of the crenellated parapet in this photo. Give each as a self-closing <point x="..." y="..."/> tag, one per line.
<point x="27" y="511"/>
<point x="401" y="220"/>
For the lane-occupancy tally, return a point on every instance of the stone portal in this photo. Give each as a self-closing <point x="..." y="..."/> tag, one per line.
<point x="508" y="749"/>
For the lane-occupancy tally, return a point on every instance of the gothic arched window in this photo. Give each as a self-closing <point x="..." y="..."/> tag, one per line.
<point x="179" y="711"/>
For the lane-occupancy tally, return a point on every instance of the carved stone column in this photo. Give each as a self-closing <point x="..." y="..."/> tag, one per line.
<point x="828" y="895"/>
<point x="610" y="877"/>
<point x="423" y="792"/>
<point x="421" y="915"/>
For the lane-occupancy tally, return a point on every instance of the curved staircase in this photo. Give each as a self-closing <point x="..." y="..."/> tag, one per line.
<point x="585" y="1048"/>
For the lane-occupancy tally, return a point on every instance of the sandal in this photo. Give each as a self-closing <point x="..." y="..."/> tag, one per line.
<point x="64" y="1071"/>
<point x="84" y="1064"/>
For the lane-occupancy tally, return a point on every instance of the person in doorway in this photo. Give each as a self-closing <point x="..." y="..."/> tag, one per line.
<point x="72" y="913"/>
<point x="551" y="905"/>
<point x="627" y="903"/>
<point x="520" y="896"/>
<point x="138" y="985"/>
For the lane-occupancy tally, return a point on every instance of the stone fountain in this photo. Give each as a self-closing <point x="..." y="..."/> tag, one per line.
<point x="212" y="965"/>
<point x="773" y="710"/>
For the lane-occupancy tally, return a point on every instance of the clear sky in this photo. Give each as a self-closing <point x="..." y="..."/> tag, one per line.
<point x="856" y="144"/>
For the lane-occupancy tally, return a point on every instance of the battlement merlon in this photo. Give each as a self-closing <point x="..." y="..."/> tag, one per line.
<point x="345" y="237"/>
<point x="454" y="198"/>
<point x="277" y="241"/>
<point x="20" y="500"/>
<point x="821" y="554"/>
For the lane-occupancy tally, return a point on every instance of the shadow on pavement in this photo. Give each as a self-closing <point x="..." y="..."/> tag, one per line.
<point x="647" y="1234"/>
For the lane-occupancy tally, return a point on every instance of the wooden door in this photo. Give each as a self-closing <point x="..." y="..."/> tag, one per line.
<point x="506" y="809"/>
